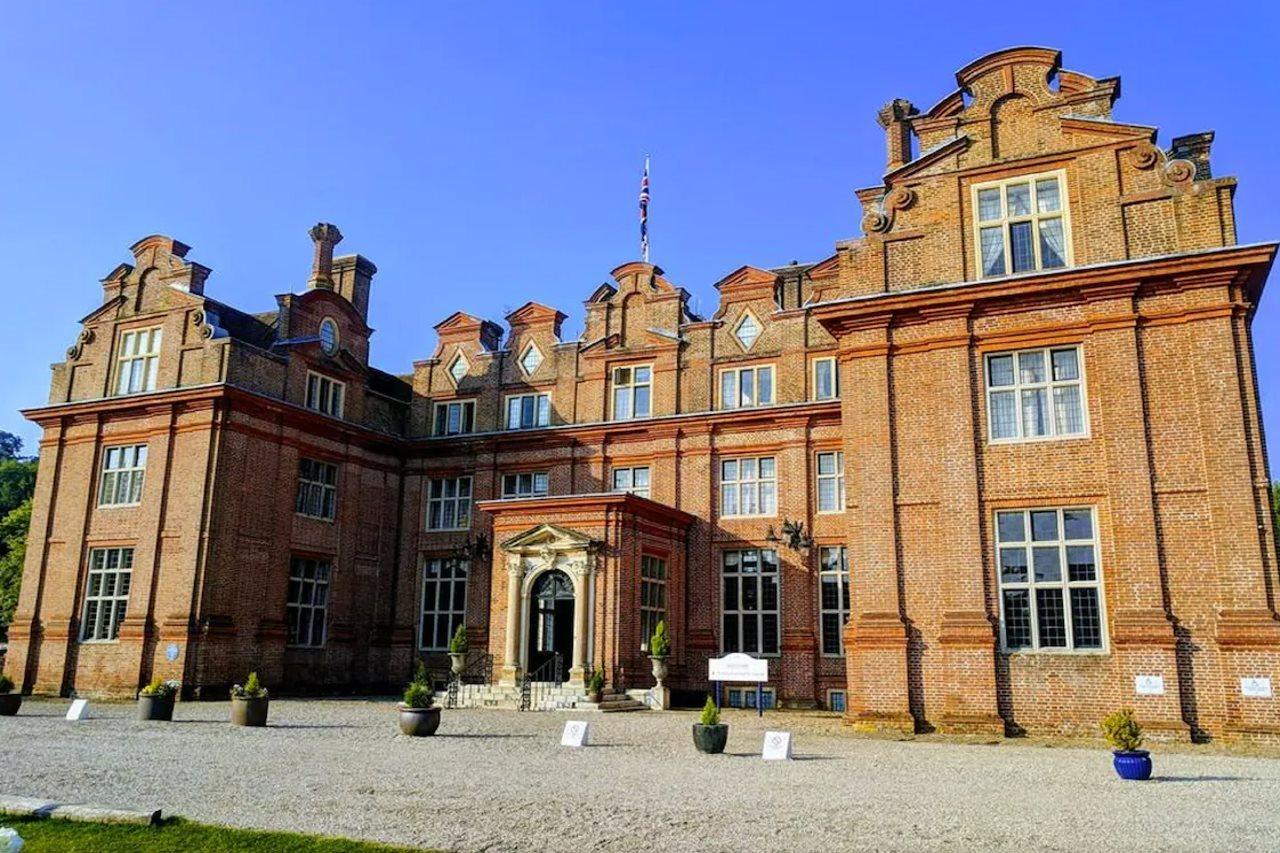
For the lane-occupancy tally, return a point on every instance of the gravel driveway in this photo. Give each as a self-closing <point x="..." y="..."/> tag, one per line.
<point x="497" y="780"/>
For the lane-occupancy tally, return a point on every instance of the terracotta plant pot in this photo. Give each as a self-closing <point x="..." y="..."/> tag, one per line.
<point x="249" y="712"/>
<point x="156" y="708"/>
<point x="593" y="696"/>
<point x="710" y="739"/>
<point x="10" y="703"/>
<point x="457" y="662"/>
<point x="419" y="722"/>
<point x="659" y="669"/>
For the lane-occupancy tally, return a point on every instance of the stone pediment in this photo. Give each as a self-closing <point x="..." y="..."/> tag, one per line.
<point x="547" y="538"/>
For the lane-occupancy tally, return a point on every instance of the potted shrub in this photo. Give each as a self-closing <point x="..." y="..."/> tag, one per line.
<point x="419" y="715"/>
<point x="659" y="648"/>
<point x="458" y="650"/>
<point x="10" y="702"/>
<point x="1125" y="736"/>
<point x="709" y="734"/>
<point x="595" y="686"/>
<point x="249" y="703"/>
<point x="155" y="701"/>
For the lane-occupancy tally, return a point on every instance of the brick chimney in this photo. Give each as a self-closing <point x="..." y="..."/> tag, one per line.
<point x="895" y="118"/>
<point x="325" y="237"/>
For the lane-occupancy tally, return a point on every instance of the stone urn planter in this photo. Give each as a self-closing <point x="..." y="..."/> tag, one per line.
<point x="659" y="669"/>
<point x="9" y="704"/>
<point x="419" y="722"/>
<point x="710" y="739"/>
<point x="156" y="708"/>
<point x="457" y="662"/>
<point x="249" y="712"/>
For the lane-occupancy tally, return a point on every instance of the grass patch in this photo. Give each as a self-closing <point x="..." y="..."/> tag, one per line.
<point x="173" y="836"/>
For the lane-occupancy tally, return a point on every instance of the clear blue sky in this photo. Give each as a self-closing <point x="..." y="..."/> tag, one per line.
<point x="486" y="154"/>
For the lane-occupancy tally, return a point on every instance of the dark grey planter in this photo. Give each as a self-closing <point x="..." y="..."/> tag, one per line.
<point x="9" y="704"/>
<point x="156" y="708"/>
<point x="710" y="739"/>
<point x="419" y="722"/>
<point x="249" y="712"/>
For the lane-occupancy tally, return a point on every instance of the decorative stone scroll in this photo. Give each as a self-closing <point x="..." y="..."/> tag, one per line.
<point x="880" y="219"/>
<point x="1176" y="173"/>
<point x="77" y="349"/>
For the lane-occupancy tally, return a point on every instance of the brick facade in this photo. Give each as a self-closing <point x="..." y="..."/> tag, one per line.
<point x="1164" y="453"/>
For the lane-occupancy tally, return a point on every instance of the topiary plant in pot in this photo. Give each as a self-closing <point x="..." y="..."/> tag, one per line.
<point x="10" y="701"/>
<point x="155" y="701"/>
<point x="249" y="703"/>
<point x="419" y="715"/>
<point x="458" y="646"/>
<point x="659" y="648"/>
<point x="1124" y="734"/>
<point x="595" y="686"/>
<point x="709" y="734"/>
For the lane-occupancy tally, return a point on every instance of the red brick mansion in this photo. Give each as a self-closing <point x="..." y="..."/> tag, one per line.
<point x="995" y="465"/>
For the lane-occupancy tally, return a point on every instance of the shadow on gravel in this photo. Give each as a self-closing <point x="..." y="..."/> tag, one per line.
<point x="482" y="736"/>
<point x="312" y="726"/>
<point x="1205" y="779"/>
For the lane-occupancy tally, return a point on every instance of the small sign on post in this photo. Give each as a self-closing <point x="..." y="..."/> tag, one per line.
<point x="576" y="734"/>
<point x="78" y="711"/>
<point x="740" y="667"/>
<point x="777" y="746"/>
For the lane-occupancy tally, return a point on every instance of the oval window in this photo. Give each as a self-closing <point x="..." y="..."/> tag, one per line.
<point x="328" y="336"/>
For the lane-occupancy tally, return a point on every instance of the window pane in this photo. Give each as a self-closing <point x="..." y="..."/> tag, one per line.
<point x="1050" y="618"/>
<point x="621" y="403"/>
<point x="1086" y="619"/>
<point x="1080" y="565"/>
<point x="1009" y="527"/>
<point x="1044" y="525"/>
<point x="989" y="204"/>
<point x="1035" y="412"/>
<point x="621" y="479"/>
<point x="764" y="381"/>
<point x="728" y="387"/>
<point x="1066" y="365"/>
<point x="642" y="402"/>
<point x="1013" y="565"/>
<point x="1000" y="370"/>
<point x="992" y="251"/>
<point x="1019" y="199"/>
<point x="1052" y="244"/>
<point x="826" y="494"/>
<point x="767" y="468"/>
<point x="1017" y="618"/>
<point x="1048" y="563"/>
<point x="1047" y="200"/>
<point x="1068" y="413"/>
<point x="1021" y="247"/>
<point x="747" y="388"/>
<point x="1078" y="523"/>
<point x="730" y="638"/>
<point x="1031" y="367"/>
<point x="544" y="410"/>
<point x="824" y="379"/>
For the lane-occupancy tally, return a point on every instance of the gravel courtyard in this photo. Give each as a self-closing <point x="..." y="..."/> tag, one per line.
<point x="496" y="780"/>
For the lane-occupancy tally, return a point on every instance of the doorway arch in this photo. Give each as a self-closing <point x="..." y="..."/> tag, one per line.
<point x="551" y="626"/>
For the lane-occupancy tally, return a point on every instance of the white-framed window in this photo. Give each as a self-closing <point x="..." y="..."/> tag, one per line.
<point x="325" y="394"/>
<point x="456" y="417"/>
<point x="459" y="367"/>
<point x="106" y="598"/>
<point x="746" y="387"/>
<point x="317" y="489"/>
<point x="1050" y="580"/>
<point x="138" y="360"/>
<point x="328" y="336"/>
<point x="307" y="607"/>
<point x="750" y="605"/>
<point x="527" y="411"/>
<point x="530" y="359"/>
<point x="836" y="701"/>
<point x="748" y="486"/>
<point x="529" y="484"/>
<point x="1022" y="224"/>
<point x="449" y="504"/>
<point x="830" y="481"/>
<point x="747" y="330"/>
<point x="826" y="379"/>
<point x="444" y="602"/>
<point x="632" y="392"/>
<point x="634" y="480"/>
<point x="1036" y="394"/>
<point x="653" y="596"/>
<point x="123" y="470"/>
<point x="745" y="697"/>
<point x="833" y="597"/>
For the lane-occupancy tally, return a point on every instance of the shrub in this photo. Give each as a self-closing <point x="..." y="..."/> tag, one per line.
<point x="660" y="643"/>
<point x="710" y="713"/>
<point x="596" y="684"/>
<point x="420" y="693"/>
<point x="160" y="689"/>
<point x="252" y="689"/>
<point x="6" y="684"/>
<point x="1122" y="731"/>
<point x="459" y="643"/>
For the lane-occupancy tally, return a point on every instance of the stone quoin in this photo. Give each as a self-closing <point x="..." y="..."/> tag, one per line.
<point x="990" y="467"/>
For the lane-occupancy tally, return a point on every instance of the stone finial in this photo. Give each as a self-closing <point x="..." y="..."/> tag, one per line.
<point x="325" y="236"/>
<point x="895" y="118"/>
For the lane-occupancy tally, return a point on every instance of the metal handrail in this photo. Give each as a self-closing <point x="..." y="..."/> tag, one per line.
<point x="554" y="667"/>
<point x="476" y="673"/>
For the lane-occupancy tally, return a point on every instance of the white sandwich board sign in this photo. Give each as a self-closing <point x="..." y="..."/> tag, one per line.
<point x="738" y="667"/>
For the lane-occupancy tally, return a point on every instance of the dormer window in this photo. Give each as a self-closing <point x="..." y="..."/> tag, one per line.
<point x="325" y="394"/>
<point x="328" y="336"/>
<point x="747" y="330"/>
<point x="1022" y="224"/>
<point x="458" y="368"/>
<point x="530" y="359"/>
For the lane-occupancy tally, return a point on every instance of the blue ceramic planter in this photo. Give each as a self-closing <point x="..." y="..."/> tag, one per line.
<point x="1135" y="765"/>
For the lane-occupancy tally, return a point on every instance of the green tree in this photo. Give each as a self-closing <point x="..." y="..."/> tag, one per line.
<point x="17" y="484"/>
<point x="1275" y="504"/>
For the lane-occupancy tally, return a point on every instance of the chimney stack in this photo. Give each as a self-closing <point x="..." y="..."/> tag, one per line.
<point x="895" y="118"/>
<point x="325" y="237"/>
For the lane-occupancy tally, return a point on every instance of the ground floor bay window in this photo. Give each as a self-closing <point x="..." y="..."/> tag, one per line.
<point x="750" y="603"/>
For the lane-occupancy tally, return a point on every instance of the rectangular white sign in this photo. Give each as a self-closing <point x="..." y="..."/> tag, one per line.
<point x="576" y="733"/>
<point x="79" y="710"/>
<point x="1256" y="688"/>
<point x="738" y="667"/>
<point x="777" y="746"/>
<point x="1148" y="685"/>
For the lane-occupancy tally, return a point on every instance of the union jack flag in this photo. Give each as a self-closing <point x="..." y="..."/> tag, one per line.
<point x="644" y="213"/>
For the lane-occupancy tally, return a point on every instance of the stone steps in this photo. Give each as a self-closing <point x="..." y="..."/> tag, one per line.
<point x="545" y="697"/>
